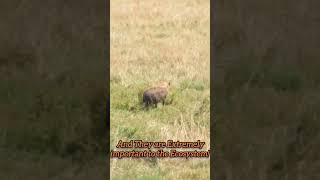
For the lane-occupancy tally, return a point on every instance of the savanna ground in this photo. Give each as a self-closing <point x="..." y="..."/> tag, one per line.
<point x="155" y="40"/>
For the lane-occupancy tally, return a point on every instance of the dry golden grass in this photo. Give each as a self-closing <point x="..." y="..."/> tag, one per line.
<point x="152" y="41"/>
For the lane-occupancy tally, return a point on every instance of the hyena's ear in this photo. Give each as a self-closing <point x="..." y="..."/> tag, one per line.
<point x="169" y="83"/>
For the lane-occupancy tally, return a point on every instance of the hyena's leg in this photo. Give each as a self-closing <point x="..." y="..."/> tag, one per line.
<point x="154" y="101"/>
<point x="146" y="105"/>
<point x="149" y="103"/>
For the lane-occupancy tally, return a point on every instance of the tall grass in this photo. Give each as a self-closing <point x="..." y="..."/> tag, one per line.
<point x="152" y="41"/>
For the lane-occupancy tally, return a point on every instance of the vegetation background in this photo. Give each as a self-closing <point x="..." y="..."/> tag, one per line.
<point x="155" y="40"/>
<point x="266" y="89"/>
<point x="52" y="89"/>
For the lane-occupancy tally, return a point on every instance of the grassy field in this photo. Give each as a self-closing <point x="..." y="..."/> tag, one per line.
<point x="266" y="88"/>
<point x="160" y="40"/>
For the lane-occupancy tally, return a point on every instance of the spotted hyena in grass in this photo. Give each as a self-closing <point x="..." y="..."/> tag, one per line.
<point x="156" y="94"/>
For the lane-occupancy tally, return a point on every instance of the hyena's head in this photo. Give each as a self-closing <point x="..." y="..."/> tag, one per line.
<point x="163" y="84"/>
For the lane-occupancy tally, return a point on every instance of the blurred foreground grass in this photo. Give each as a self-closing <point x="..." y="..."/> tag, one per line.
<point x="52" y="90"/>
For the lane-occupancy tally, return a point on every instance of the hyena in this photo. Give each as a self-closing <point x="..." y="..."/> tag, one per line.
<point x="156" y="94"/>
